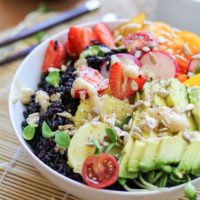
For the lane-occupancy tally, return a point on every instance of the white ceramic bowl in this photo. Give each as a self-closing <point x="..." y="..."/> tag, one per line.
<point x="28" y="75"/>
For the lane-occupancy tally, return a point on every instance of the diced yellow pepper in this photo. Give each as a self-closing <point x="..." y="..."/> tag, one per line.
<point x="193" y="81"/>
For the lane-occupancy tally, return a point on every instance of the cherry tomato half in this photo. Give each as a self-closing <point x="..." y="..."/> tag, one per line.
<point x="101" y="171"/>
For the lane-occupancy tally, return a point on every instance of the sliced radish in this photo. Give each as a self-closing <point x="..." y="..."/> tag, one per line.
<point x="105" y="69"/>
<point x="123" y="58"/>
<point x="159" y="64"/>
<point x="194" y="65"/>
<point x="139" y="43"/>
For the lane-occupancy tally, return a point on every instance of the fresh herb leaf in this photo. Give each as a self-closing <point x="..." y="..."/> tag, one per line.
<point x="109" y="148"/>
<point x="190" y="191"/>
<point x="62" y="139"/>
<point x="46" y="131"/>
<point x="112" y="135"/>
<point x="53" y="78"/>
<point x="97" y="145"/>
<point x="39" y="36"/>
<point x="28" y="132"/>
<point x="125" y="120"/>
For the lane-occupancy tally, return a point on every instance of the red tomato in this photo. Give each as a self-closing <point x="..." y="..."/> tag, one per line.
<point x="104" y="35"/>
<point x="101" y="171"/>
<point x="78" y="39"/>
<point x="116" y="81"/>
<point x="93" y="77"/>
<point x="54" y="56"/>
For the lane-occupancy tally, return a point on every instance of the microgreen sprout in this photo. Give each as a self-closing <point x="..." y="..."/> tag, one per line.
<point x="29" y="132"/>
<point x="53" y="78"/>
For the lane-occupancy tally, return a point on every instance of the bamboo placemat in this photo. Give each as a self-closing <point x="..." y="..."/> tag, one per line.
<point x="19" y="180"/>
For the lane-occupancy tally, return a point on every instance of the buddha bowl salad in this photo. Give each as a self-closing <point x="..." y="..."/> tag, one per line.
<point x="119" y="110"/>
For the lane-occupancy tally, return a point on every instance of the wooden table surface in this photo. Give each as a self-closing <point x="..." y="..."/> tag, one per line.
<point x="19" y="180"/>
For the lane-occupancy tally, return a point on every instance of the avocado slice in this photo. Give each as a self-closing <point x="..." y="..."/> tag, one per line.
<point x="147" y="162"/>
<point x="123" y="166"/>
<point x="150" y="90"/>
<point x="136" y="154"/>
<point x="194" y="96"/>
<point x="188" y="161"/>
<point x="178" y="98"/>
<point x="158" y="100"/>
<point x="171" y="150"/>
<point x="79" y="149"/>
<point x="196" y="164"/>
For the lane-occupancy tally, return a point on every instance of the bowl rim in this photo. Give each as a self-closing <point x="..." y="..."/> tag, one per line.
<point x="24" y="144"/>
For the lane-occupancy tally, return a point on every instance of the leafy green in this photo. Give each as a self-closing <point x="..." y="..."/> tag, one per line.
<point x="125" y="120"/>
<point x="190" y="191"/>
<point x="112" y="135"/>
<point x="53" y="78"/>
<point x="46" y="131"/>
<point x="29" y="132"/>
<point x="163" y="181"/>
<point x="62" y="139"/>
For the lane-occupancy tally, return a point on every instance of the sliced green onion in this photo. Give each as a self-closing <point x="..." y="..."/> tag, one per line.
<point x="28" y="132"/>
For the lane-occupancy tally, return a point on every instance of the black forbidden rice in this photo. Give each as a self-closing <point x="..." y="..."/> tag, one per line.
<point x="44" y="148"/>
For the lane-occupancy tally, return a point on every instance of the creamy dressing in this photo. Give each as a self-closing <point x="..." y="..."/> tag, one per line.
<point x="130" y="70"/>
<point x="80" y="84"/>
<point x="166" y="116"/>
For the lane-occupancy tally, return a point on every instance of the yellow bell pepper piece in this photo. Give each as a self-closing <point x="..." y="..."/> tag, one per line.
<point x="193" y="81"/>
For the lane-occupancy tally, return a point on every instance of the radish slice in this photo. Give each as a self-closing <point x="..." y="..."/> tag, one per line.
<point x="123" y="58"/>
<point x="194" y="65"/>
<point x="158" y="64"/>
<point x="105" y="70"/>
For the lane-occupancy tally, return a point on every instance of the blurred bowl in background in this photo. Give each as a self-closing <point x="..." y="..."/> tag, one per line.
<point x="182" y="14"/>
